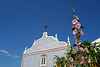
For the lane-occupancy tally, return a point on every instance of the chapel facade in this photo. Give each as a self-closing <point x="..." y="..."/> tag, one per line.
<point x="43" y="51"/>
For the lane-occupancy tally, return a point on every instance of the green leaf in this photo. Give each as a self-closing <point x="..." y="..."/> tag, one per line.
<point x="82" y="26"/>
<point x="75" y="45"/>
<point x="73" y="12"/>
<point x="74" y="62"/>
<point x="73" y="28"/>
<point x="72" y="8"/>
<point x="74" y="16"/>
<point x="78" y="20"/>
<point x="72" y="5"/>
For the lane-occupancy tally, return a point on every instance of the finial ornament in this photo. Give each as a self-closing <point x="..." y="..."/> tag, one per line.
<point x="45" y="28"/>
<point x="68" y="41"/>
<point x="68" y="38"/>
<point x="55" y="35"/>
<point x="26" y="48"/>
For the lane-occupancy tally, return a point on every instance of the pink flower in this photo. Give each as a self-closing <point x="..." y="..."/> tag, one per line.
<point x="71" y="59"/>
<point x="78" y="25"/>
<point x="81" y="48"/>
<point x="75" y="31"/>
<point x="77" y="18"/>
<point x="74" y="21"/>
<point x="81" y="31"/>
<point x="81" y="59"/>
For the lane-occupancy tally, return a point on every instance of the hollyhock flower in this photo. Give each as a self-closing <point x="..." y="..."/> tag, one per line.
<point x="77" y="18"/>
<point x="75" y="31"/>
<point x="81" y="31"/>
<point x="78" y="25"/>
<point x="81" y="48"/>
<point x="74" y="21"/>
<point x="81" y="59"/>
<point x="71" y="59"/>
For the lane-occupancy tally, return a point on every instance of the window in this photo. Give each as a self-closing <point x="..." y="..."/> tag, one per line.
<point x="43" y="60"/>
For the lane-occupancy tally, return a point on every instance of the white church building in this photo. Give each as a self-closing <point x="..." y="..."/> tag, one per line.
<point x="43" y="51"/>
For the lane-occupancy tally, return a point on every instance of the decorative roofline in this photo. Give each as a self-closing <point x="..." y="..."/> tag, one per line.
<point x="47" y="51"/>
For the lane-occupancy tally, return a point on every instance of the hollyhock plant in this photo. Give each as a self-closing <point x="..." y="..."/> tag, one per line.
<point x="85" y="54"/>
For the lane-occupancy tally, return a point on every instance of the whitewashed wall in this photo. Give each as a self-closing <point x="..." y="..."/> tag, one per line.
<point x="34" y="60"/>
<point x="48" y="45"/>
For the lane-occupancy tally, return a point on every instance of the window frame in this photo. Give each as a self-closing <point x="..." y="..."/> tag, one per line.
<point x="43" y="60"/>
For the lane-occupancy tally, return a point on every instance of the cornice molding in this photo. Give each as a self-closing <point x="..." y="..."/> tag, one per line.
<point x="46" y="51"/>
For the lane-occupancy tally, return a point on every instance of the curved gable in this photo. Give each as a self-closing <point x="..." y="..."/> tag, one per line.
<point x="44" y="43"/>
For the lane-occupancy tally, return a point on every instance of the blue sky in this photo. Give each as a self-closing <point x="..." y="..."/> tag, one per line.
<point x="22" y="21"/>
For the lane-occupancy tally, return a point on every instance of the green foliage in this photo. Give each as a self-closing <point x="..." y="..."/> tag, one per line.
<point x="82" y="26"/>
<point x="60" y="60"/>
<point x="73" y="28"/>
<point x="75" y="45"/>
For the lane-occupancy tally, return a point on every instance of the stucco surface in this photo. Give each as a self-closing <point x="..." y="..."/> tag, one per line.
<point x="46" y="43"/>
<point x="34" y="60"/>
